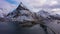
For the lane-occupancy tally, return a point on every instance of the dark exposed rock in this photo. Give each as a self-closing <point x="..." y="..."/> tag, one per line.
<point x="44" y="14"/>
<point x="23" y="16"/>
<point x="56" y="16"/>
<point x="50" y="20"/>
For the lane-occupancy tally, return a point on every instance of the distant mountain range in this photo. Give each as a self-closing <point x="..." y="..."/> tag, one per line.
<point x="22" y="16"/>
<point x="21" y="13"/>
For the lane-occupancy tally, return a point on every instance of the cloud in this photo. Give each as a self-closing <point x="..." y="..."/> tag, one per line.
<point x="33" y="5"/>
<point x="37" y="4"/>
<point x="54" y="11"/>
<point x="53" y="3"/>
<point x="6" y="7"/>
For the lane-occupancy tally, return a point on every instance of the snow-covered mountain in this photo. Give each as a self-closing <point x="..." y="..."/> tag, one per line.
<point x="43" y="14"/>
<point x="24" y="17"/>
<point x="21" y="13"/>
<point x="49" y="14"/>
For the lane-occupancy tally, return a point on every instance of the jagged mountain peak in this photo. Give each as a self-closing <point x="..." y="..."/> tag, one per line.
<point x="22" y="13"/>
<point x="22" y="7"/>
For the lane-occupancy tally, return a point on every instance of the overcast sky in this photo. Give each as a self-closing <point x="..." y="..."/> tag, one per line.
<point x="45" y="4"/>
<point x="7" y="6"/>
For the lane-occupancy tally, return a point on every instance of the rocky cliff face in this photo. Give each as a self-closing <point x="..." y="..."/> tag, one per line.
<point x="23" y="15"/>
<point x="19" y="17"/>
<point x="50" y="20"/>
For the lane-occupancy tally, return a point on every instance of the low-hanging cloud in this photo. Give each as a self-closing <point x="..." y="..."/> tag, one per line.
<point x="6" y="7"/>
<point x="44" y="4"/>
<point x="33" y="5"/>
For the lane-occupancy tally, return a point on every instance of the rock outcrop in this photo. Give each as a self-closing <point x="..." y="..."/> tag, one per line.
<point x="50" y="20"/>
<point x="23" y="16"/>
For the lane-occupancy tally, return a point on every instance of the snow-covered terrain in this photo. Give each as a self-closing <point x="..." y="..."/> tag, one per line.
<point x="22" y="16"/>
